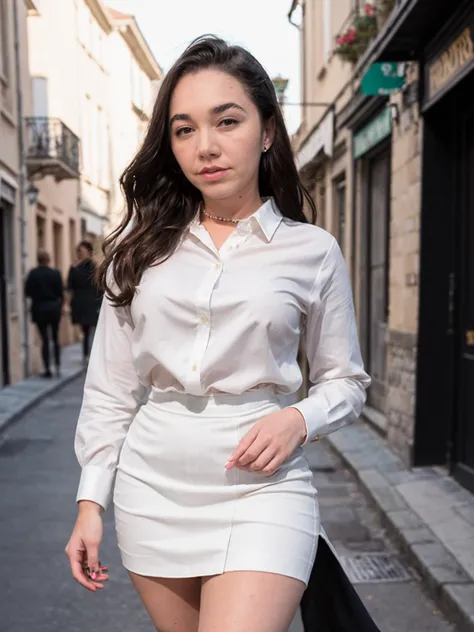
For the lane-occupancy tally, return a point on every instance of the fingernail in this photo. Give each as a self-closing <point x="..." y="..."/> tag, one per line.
<point x="93" y="575"/>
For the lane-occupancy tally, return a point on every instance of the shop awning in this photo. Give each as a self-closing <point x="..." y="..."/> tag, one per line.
<point x="411" y="27"/>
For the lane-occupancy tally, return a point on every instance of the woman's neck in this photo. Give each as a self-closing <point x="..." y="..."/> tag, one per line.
<point x="234" y="208"/>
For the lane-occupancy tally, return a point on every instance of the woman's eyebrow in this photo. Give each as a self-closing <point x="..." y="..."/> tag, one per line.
<point x="219" y="109"/>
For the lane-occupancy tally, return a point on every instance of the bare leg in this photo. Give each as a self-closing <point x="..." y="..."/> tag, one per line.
<point x="173" y="604"/>
<point x="249" y="601"/>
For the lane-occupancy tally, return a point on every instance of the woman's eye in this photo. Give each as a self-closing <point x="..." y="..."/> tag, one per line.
<point x="228" y="122"/>
<point x="183" y="131"/>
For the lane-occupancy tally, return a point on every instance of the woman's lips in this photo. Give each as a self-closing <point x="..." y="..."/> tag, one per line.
<point x="212" y="176"/>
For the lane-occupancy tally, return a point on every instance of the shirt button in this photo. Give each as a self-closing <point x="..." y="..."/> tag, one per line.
<point x="204" y="320"/>
<point x="217" y="266"/>
<point x="194" y="367"/>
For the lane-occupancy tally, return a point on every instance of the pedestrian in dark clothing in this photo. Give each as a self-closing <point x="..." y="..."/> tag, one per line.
<point x="86" y="298"/>
<point x="44" y="286"/>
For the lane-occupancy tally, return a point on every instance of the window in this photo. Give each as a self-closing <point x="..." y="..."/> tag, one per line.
<point x="87" y="140"/>
<point x="4" y="64"/>
<point x="40" y="96"/>
<point x="7" y="248"/>
<point x="321" y="197"/>
<point x="72" y="239"/>
<point x="340" y="211"/>
<point x="326" y="31"/>
<point x="57" y="245"/>
<point x="40" y="232"/>
<point x="103" y="149"/>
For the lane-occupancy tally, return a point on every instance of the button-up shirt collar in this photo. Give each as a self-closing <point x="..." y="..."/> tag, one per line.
<point x="267" y="218"/>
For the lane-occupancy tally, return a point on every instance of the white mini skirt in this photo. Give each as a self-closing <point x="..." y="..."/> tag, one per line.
<point x="180" y="513"/>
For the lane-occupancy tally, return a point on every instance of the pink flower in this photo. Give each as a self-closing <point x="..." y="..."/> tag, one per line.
<point x="369" y="10"/>
<point x="351" y="32"/>
<point x="340" y="40"/>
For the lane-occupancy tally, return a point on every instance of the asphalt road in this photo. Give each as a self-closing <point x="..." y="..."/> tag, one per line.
<point x="38" y="479"/>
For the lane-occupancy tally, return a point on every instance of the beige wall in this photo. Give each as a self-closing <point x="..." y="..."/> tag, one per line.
<point x="133" y="93"/>
<point x="405" y="214"/>
<point x="10" y="171"/>
<point x="323" y="72"/>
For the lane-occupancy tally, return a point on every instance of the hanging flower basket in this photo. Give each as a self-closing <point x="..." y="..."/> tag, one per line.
<point x="352" y="44"/>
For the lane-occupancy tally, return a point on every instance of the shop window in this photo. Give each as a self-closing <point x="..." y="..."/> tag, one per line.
<point x="4" y="63"/>
<point x="339" y="205"/>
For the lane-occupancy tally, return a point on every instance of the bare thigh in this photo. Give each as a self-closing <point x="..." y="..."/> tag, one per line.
<point x="173" y="604"/>
<point x="249" y="601"/>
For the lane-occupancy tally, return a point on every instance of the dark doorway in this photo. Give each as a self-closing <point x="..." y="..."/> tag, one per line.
<point x="378" y="198"/>
<point x="464" y="406"/>
<point x="444" y="429"/>
<point x="4" y="359"/>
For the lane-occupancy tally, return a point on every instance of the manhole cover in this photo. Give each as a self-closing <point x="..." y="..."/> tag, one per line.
<point x="374" y="567"/>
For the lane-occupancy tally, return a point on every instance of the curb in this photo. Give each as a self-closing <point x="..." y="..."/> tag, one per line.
<point x="444" y="579"/>
<point x="7" y="420"/>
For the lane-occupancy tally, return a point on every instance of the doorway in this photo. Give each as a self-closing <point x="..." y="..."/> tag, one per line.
<point x="377" y="259"/>
<point x="4" y="349"/>
<point x="464" y="354"/>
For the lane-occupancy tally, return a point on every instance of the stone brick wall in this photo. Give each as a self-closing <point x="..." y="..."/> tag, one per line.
<point x="401" y="370"/>
<point x="404" y="272"/>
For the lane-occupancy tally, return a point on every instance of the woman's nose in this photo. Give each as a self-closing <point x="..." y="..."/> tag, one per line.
<point x="208" y="145"/>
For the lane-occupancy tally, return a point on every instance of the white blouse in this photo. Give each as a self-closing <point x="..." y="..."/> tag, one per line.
<point x="226" y="320"/>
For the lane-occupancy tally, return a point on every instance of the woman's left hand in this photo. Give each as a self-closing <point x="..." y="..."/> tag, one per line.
<point x="269" y="442"/>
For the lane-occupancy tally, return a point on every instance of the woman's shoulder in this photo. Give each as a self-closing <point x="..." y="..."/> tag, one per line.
<point x="315" y="237"/>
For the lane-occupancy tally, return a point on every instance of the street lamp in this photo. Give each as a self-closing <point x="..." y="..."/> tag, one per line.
<point x="32" y="193"/>
<point x="280" y="84"/>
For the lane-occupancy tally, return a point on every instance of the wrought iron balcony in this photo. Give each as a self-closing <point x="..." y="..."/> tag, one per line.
<point x="51" y="149"/>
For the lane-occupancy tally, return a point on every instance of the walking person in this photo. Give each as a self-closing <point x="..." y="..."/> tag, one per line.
<point x="86" y="298"/>
<point x="44" y="286"/>
<point x="210" y="281"/>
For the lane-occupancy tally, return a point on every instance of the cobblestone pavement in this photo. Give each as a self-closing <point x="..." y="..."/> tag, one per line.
<point x="38" y="477"/>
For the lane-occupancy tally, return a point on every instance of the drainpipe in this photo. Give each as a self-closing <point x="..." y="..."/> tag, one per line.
<point x="22" y="192"/>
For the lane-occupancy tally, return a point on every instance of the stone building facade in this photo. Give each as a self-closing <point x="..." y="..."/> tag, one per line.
<point x="83" y="117"/>
<point x="360" y="156"/>
<point x="407" y="224"/>
<point x="15" y="333"/>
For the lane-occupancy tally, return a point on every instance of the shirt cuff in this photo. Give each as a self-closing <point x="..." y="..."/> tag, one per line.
<point x="96" y="485"/>
<point x="315" y="418"/>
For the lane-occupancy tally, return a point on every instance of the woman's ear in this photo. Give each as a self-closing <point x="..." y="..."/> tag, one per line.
<point x="269" y="133"/>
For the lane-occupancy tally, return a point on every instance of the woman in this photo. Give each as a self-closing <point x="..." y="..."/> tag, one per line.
<point x="208" y="294"/>
<point x="86" y="299"/>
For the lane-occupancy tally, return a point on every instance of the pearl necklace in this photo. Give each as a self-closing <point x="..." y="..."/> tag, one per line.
<point x="222" y="219"/>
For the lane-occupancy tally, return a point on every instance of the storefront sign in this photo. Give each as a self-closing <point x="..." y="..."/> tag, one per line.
<point x="379" y="128"/>
<point x="450" y="63"/>
<point x="321" y="139"/>
<point x="383" y="78"/>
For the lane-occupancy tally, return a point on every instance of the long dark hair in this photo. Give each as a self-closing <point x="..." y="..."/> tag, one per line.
<point x="161" y="202"/>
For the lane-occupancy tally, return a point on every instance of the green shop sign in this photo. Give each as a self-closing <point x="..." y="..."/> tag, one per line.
<point x="383" y="78"/>
<point x="379" y="128"/>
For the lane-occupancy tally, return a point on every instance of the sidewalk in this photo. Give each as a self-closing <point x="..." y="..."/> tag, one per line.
<point x="429" y="514"/>
<point x="16" y="399"/>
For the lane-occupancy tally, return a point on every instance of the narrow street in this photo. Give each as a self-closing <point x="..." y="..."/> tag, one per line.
<point x="38" y="477"/>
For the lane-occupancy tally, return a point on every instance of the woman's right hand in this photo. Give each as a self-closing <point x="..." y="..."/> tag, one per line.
<point x="83" y="547"/>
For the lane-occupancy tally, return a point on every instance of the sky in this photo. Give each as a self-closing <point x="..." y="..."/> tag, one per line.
<point x="261" y="26"/>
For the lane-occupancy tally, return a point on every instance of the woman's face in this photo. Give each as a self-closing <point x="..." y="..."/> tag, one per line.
<point x="217" y="136"/>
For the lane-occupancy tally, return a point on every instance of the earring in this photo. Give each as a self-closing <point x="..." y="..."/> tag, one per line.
<point x="265" y="149"/>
